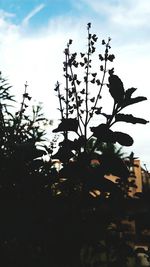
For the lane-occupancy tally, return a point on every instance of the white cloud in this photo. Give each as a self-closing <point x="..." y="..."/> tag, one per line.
<point x="33" y="12"/>
<point x="128" y="12"/>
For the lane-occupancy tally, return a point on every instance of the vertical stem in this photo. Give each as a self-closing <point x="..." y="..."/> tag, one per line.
<point x="77" y="105"/>
<point x="22" y="104"/>
<point x="67" y="88"/>
<point x="21" y="108"/>
<point x="67" y="84"/>
<point x="103" y="78"/>
<point x="59" y="97"/>
<point x="87" y="85"/>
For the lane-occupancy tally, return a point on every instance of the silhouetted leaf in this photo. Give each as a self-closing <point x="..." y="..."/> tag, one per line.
<point x="111" y="58"/>
<point x="101" y="57"/>
<point x="78" y="82"/>
<point x="93" y="49"/>
<point x="82" y="91"/>
<point x="129" y="118"/>
<point x="92" y="99"/>
<point x="82" y="64"/>
<point x="85" y="79"/>
<point x="123" y="139"/>
<point x="132" y="101"/>
<point x="111" y="71"/>
<point x="93" y="80"/>
<point x="94" y="37"/>
<point x="116" y="88"/>
<point x="82" y="54"/>
<point x="89" y="25"/>
<point x="103" y="133"/>
<point x="67" y="125"/>
<point x="70" y="42"/>
<point x="98" y="82"/>
<point x="129" y="92"/>
<point x="103" y="42"/>
<point x="101" y="68"/>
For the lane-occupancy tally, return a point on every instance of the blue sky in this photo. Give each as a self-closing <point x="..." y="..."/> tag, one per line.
<point x="33" y="35"/>
<point x="44" y="10"/>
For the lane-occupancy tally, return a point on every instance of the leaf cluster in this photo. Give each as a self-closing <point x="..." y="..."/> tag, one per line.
<point x="80" y="103"/>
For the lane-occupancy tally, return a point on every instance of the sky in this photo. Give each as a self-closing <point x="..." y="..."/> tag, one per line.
<point x="34" y="33"/>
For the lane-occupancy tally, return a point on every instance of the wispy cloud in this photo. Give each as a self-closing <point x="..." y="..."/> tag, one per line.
<point x="5" y="15"/>
<point x="31" y="14"/>
<point x="133" y="13"/>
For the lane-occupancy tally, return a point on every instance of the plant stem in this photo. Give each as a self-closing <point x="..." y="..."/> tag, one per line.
<point x="21" y="108"/>
<point x="76" y="98"/>
<point x="102" y="82"/>
<point x="87" y="85"/>
<point x="59" y="97"/>
<point x="67" y="84"/>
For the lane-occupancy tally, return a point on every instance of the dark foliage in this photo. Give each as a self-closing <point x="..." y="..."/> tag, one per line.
<point x="71" y="216"/>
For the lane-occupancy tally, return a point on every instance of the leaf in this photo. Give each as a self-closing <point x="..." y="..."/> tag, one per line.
<point x="132" y="101"/>
<point x="93" y="49"/>
<point x="98" y="82"/>
<point x="92" y="99"/>
<point x="111" y="57"/>
<point x="103" y="133"/>
<point x="94" y="74"/>
<point x="94" y="37"/>
<point x="25" y="95"/>
<point x="67" y="125"/>
<point x="89" y="25"/>
<point x="82" y="64"/>
<point x="111" y="71"/>
<point x="78" y="82"/>
<point x="129" y="118"/>
<point x="70" y="41"/>
<point x="82" y="54"/>
<point x="70" y="94"/>
<point x="129" y="92"/>
<point x="82" y="91"/>
<point x="93" y="80"/>
<point x="103" y="42"/>
<point x="101" y="57"/>
<point x="101" y="68"/>
<point x="116" y="88"/>
<point x="123" y="139"/>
